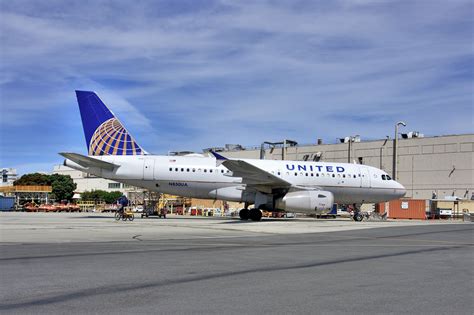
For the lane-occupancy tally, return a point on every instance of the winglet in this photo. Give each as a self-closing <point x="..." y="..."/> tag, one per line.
<point x="219" y="158"/>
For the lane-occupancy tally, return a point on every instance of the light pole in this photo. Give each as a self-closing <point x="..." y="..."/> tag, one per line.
<point x="349" y="150"/>
<point x="381" y="151"/>
<point x="395" y="144"/>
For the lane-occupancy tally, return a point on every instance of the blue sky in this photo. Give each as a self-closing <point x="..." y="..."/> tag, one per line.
<point x="185" y="75"/>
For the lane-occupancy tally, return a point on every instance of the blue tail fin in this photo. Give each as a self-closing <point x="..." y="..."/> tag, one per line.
<point x="104" y="133"/>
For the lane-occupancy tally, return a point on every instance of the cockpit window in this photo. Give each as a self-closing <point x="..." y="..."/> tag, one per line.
<point x="383" y="177"/>
<point x="388" y="177"/>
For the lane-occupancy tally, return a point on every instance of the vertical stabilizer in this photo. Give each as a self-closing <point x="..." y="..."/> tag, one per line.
<point x="104" y="133"/>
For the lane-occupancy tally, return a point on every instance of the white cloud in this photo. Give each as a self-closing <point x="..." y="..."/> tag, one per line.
<point x="242" y="72"/>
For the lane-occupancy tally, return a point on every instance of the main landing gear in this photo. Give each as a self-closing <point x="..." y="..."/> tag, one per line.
<point x="252" y="214"/>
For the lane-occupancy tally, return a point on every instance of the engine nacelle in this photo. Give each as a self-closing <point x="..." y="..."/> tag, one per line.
<point x="306" y="201"/>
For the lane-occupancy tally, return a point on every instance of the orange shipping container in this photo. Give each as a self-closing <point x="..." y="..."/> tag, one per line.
<point x="380" y="207"/>
<point x="407" y="209"/>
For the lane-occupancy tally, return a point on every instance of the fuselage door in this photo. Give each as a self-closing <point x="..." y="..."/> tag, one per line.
<point x="364" y="176"/>
<point x="148" y="166"/>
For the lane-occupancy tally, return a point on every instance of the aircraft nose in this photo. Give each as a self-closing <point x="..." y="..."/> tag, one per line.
<point x="400" y="191"/>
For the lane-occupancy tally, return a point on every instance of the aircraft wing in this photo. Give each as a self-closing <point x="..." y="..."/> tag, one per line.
<point x="86" y="161"/>
<point x="251" y="175"/>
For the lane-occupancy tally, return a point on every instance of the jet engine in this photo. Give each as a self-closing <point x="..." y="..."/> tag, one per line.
<point x="306" y="201"/>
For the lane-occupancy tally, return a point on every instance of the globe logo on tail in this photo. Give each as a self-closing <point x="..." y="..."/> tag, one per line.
<point x="111" y="138"/>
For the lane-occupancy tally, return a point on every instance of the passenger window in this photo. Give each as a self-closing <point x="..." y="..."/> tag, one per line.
<point x="306" y="174"/>
<point x="333" y="175"/>
<point x="312" y="174"/>
<point x="171" y="169"/>
<point x="343" y="175"/>
<point x="205" y="171"/>
<point x="182" y="170"/>
<point x="317" y="174"/>
<point x="210" y="171"/>
<point x="278" y="173"/>
<point x="194" y="170"/>
<point x="296" y="174"/>
<point x="355" y="176"/>
<point x="187" y="170"/>
<point x="176" y="169"/>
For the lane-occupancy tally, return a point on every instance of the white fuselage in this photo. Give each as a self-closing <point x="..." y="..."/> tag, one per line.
<point x="199" y="177"/>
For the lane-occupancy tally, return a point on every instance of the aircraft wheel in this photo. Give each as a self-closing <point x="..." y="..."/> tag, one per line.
<point x="358" y="217"/>
<point x="255" y="214"/>
<point x="244" y="214"/>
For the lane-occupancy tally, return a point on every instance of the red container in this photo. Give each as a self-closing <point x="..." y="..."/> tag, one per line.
<point x="380" y="207"/>
<point x="407" y="209"/>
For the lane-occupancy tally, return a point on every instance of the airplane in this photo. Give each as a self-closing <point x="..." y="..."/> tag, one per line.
<point x="274" y="185"/>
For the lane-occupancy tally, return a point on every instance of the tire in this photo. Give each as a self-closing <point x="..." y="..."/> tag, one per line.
<point x="244" y="214"/>
<point x="132" y="217"/>
<point x="255" y="214"/>
<point x="117" y="216"/>
<point x="358" y="217"/>
<point x="124" y="217"/>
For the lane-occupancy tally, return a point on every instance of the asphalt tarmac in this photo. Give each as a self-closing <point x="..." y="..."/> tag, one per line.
<point x="230" y="267"/>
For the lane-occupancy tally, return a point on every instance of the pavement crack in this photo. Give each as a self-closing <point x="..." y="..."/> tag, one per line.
<point x="137" y="237"/>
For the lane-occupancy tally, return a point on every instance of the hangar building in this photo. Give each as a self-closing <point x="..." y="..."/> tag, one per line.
<point x="428" y="167"/>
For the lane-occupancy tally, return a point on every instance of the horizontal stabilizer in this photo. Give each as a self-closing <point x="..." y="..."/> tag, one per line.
<point x="86" y="161"/>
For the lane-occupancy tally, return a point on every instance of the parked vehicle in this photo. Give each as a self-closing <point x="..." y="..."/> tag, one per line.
<point x="138" y="208"/>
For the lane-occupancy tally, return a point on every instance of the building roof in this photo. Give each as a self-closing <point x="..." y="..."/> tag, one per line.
<point x="21" y="188"/>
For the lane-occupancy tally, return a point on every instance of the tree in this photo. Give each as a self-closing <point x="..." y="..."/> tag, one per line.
<point x="113" y="196"/>
<point x="101" y="195"/>
<point x="33" y="179"/>
<point x="63" y="187"/>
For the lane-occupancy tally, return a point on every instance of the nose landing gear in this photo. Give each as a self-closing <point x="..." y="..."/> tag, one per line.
<point x="358" y="217"/>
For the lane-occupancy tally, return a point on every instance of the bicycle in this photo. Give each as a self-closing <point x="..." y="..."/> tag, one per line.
<point x="124" y="215"/>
